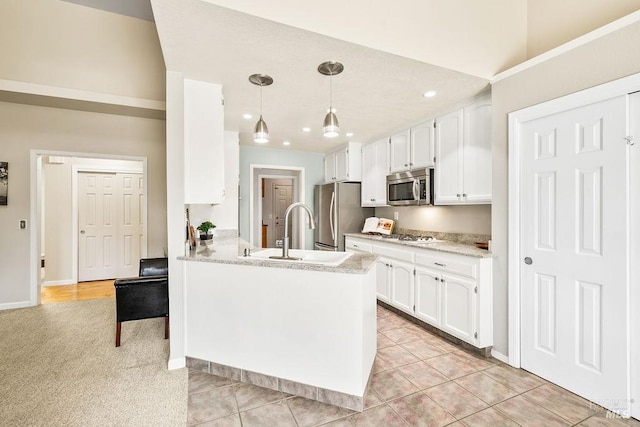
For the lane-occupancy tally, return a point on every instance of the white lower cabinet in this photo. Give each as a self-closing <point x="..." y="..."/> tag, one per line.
<point x="458" y="307"/>
<point x="449" y="291"/>
<point x="427" y="296"/>
<point x="383" y="280"/>
<point x="402" y="285"/>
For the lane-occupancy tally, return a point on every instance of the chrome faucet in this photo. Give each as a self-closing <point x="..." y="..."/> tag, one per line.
<point x="285" y="243"/>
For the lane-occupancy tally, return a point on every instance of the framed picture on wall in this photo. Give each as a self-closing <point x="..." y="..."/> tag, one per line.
<point x="4" y="183"/>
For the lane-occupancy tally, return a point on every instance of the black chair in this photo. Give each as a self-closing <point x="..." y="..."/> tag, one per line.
<point x="144" y="297"/>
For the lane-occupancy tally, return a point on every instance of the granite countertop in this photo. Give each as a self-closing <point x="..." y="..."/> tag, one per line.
<point x="225" y="250"/>
<point x="445" y="246"/>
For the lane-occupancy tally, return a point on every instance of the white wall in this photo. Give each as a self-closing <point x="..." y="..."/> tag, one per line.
<point x="551" y="23"/>
<point x="313" y="164"/>
<point x="58" y="215"/>
<point x="26" y="127"/>
<point x="608" y="58"/>
<point x="473" y="219"/>
<point x="62" y="44"/>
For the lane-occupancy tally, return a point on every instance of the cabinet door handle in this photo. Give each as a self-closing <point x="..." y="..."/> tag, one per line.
<point x="458" y="196"/>
<point x="442" y="280"/>
<point x="440" y="265"/>
<point x="464" y="195"/>
<point x="355" y="246"/>
<point x="437" y="279"/>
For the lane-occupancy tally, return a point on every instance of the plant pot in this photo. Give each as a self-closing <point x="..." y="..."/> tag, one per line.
<point x="206" y="236"/>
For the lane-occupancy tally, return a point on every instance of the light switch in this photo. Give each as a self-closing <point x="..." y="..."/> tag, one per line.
<point x="395" y="216"/>
<point x="23" y="224"/>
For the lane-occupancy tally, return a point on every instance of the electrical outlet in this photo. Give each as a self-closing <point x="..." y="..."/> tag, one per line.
<point x="23" y="224"/>
<point x="395" y="216"/>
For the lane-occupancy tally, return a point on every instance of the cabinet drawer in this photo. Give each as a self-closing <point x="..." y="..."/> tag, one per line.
<point x="448" y="263"/>
<point x="392" y="252"/>
<point x="356" y="246"/>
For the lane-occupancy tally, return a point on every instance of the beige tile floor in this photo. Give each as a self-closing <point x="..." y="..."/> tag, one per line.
<point x="418" y="379"/>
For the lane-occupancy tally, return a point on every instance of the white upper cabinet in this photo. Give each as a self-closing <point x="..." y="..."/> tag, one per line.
<point x="422" y="145"/>
<point x="449" y="130"/>
<point x="375" y="167"/>
<point x="476" y="173"/>
<point x="412" y="148"/>
<point x="203" y="143"/>
<point x="399" y="151"/>
<point x="463" y="155"/>
<point x="343" y="164"/>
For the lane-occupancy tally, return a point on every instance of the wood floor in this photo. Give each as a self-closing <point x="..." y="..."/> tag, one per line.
<point x="78" y="292"/>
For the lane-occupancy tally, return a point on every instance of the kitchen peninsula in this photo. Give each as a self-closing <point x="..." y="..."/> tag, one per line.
<point x="304" y="329"/>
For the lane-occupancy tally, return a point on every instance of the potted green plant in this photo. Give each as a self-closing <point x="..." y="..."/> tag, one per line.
<point x="204" y="229"/>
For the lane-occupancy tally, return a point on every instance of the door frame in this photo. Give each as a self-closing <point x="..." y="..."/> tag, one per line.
<point x="585" y="97"/>
<point x="256" y="172"/>
<point x="35" y="214"/>
<point x="75" y="171"/>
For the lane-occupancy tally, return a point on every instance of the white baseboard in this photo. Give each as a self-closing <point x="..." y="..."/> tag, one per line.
<point x="59" y="282"/>
<point x="12" y="305"/>
<point x="177" y="363"/>
<point x="501" y="357"/>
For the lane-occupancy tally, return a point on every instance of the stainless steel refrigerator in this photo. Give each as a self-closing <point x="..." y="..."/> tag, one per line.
<point x="337" y="211"/>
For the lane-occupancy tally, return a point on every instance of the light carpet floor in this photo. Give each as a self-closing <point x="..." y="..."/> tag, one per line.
<point x="59" y="367"/>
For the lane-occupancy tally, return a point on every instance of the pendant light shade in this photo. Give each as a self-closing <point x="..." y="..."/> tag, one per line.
<point x="330" y="127"/>
<point x="261" y="131"/>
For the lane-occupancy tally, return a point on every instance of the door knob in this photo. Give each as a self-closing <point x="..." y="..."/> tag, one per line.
<point x="528" y="261"/>
<point x="81" y="231"/>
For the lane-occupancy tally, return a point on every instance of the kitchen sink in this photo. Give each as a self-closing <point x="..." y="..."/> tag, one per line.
<point x="327" y="258"/>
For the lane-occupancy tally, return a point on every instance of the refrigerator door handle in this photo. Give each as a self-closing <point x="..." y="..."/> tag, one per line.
<point x="333" y="199"/>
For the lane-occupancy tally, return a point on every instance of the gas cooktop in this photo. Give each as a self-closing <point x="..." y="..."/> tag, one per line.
<point x="409" y="238"/>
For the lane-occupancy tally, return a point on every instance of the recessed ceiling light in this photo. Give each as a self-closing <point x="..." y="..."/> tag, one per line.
<point x="429" y="94"/>
<point x="349" y="134"/>
<point x="286" y="143"/>
<point x="306" y="129"/>
<point x="247" y="116"/>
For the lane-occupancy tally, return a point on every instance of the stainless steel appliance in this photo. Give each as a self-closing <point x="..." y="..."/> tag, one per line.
<point x="337" y="211"/>
<point x="410" y="188"/>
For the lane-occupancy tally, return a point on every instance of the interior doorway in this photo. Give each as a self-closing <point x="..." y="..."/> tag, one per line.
<point x="55" y="232"/>
<point x="259" y="214"/>
<point x="277" y="195"/>
<point x="573" y="231"/>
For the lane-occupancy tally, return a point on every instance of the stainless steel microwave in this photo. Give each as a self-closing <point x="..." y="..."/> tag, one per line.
<point x="413" y="187"/>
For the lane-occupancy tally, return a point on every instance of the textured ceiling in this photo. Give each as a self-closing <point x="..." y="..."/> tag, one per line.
<point x="378" y="93"/>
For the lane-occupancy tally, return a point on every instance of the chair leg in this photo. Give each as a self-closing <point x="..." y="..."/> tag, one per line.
<point x="118" y="328"/>
<point x="166" y="327"/>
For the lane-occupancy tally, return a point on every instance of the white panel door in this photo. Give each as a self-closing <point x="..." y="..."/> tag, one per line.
<point x="97" y="226"/>
<point x="130" y="221"/>
<point x="574" y="285"/>
<point x="281" y="200"/>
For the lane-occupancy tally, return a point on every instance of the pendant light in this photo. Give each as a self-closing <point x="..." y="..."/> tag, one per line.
<point x="261" y="132"/>
<point x="330" y="127"/>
